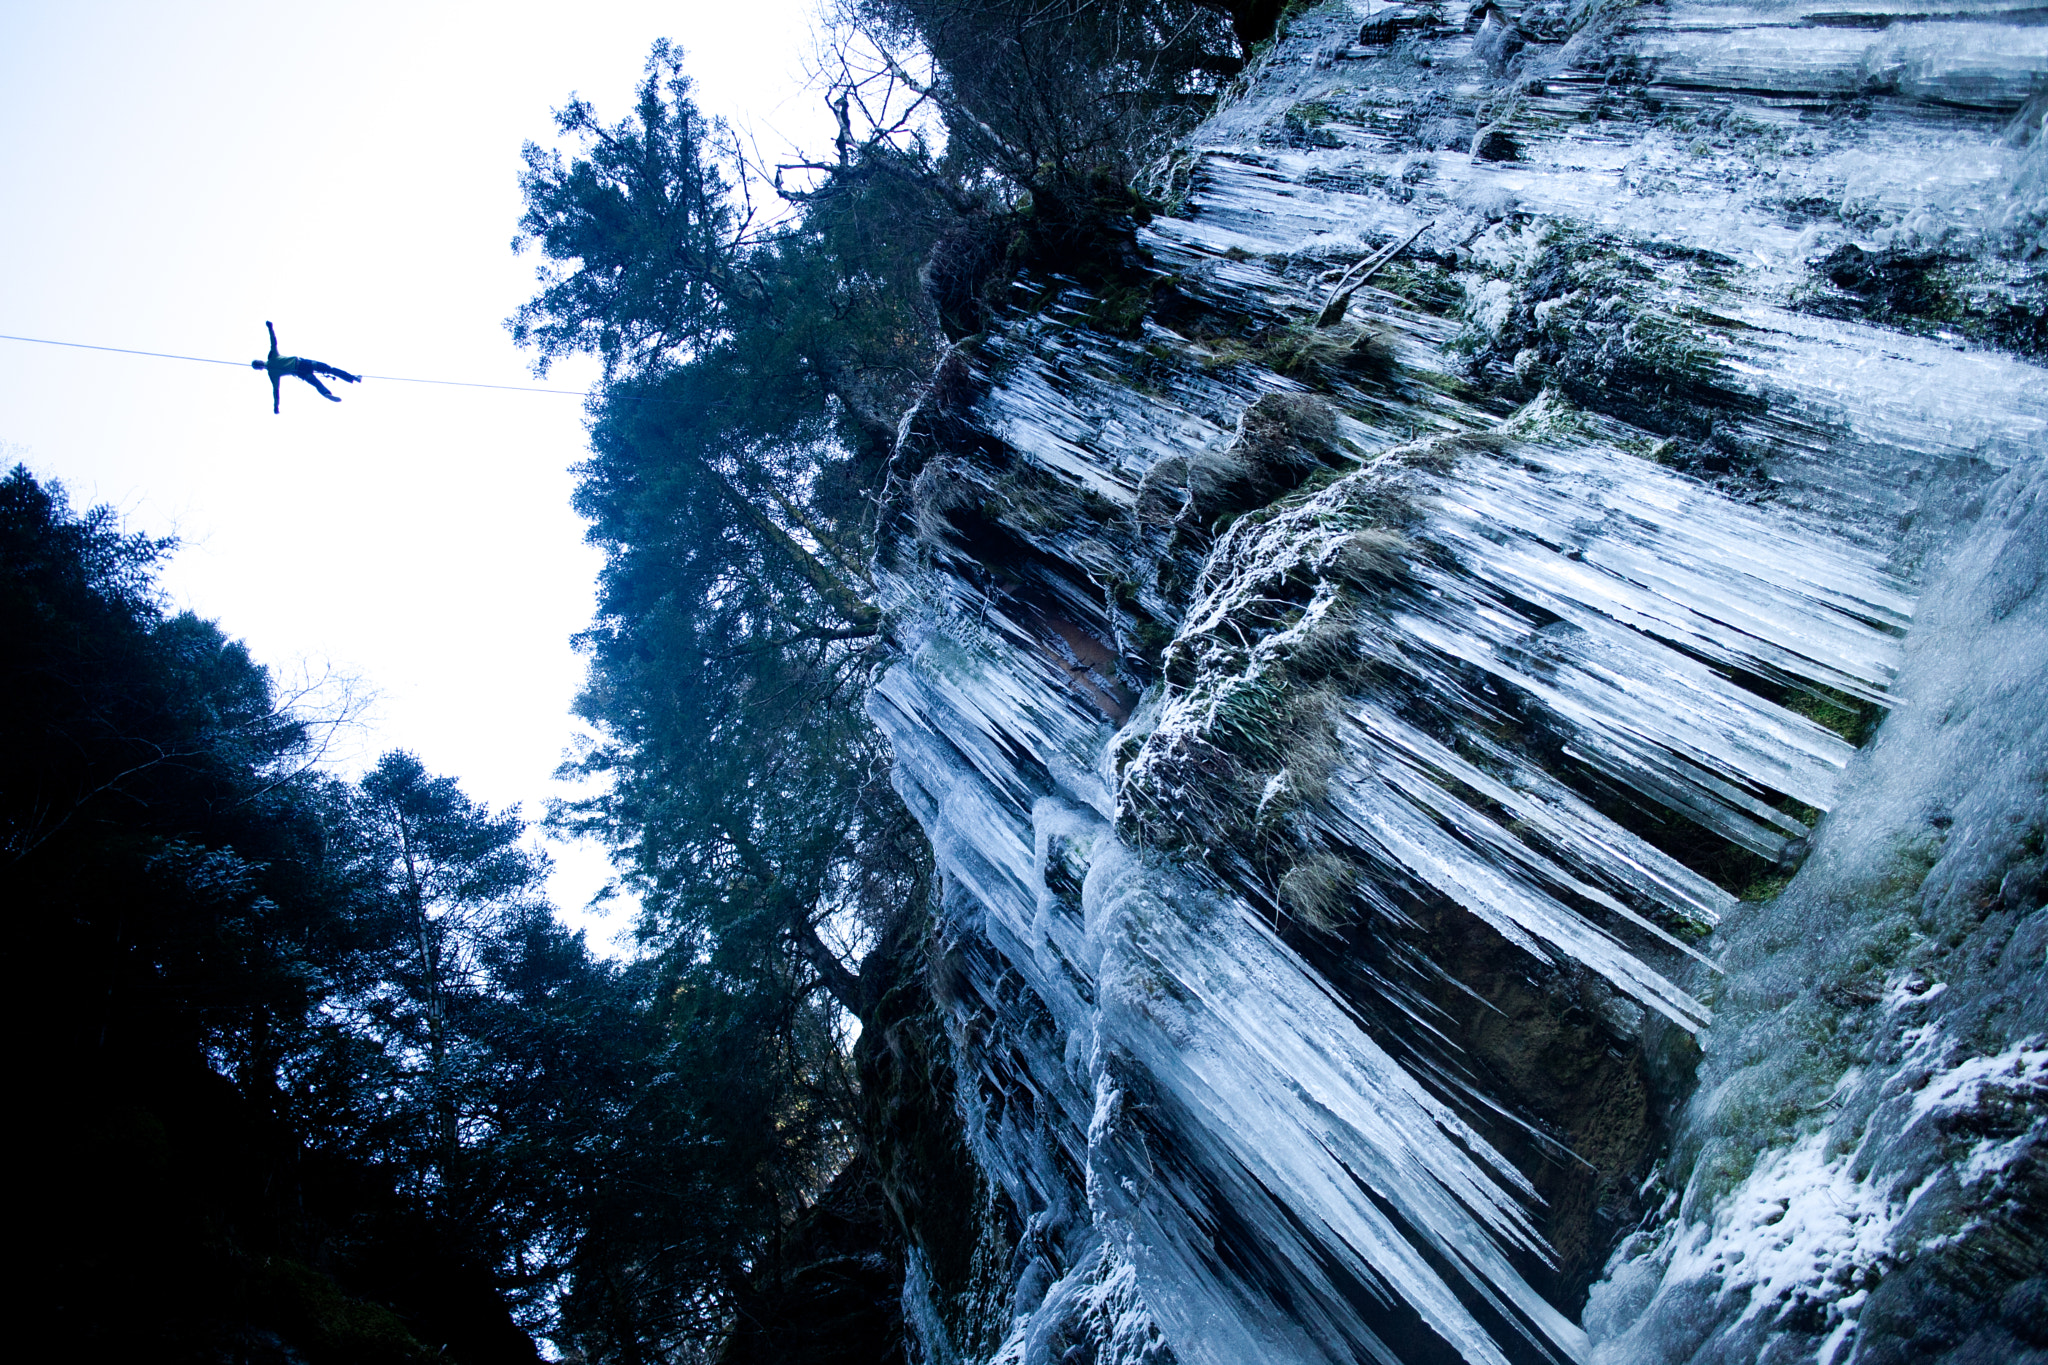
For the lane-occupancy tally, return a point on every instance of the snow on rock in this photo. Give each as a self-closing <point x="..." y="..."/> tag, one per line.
<point x="1801" y="1232"/>
<point x="2019" y="1071"/>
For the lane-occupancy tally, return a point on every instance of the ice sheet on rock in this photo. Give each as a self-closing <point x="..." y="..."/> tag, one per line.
<point x="1656" y="185"/>
<point x="1064" y="401"/>
<point x="1902" y="1155"/>
<point x="1857" y="416"/>
<point x="1667" y="558"/>
<point x="1268" y="1073"/>
<point x="976" y="744"/>
<point x="1912" y="394"/>
<point x="1990" y="65"/>
<point x="1560" y="825"/>
<point x="1646" y="558"/>
<point x="1152" y="1076"/>
<point x="1649" y="718"/>
<point x="994" y="702"/>
<point x="1096" y="1307"/>
<point x="1346" y="1167"/>
<point x="1566" y="576"/>
<point x="1395" y="801"/>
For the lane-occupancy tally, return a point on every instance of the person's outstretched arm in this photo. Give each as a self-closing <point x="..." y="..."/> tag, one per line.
<point x="273" y="340"/>
<point x="276" y="384"/>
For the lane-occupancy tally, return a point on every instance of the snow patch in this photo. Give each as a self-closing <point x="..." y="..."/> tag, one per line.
<point x="2019" y="1072"/>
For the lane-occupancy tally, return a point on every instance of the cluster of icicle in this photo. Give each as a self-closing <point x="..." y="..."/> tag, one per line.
<point x="1240" y="1159"/>
<point x="1355" y="1196"/>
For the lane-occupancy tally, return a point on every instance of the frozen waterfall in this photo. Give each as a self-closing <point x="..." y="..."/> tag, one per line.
<point x="1361" y="755"/>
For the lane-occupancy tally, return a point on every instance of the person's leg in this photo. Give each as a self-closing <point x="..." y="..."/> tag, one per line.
<point x="322" y="367"/>
<point x="325" y="392"/>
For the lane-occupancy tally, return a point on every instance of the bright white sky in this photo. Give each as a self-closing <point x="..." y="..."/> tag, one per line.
<point x="177" y="173"/>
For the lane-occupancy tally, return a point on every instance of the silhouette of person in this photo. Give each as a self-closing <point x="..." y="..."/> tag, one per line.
<point x="279" y="366"/>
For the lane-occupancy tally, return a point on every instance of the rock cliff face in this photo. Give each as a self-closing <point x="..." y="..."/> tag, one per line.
<point x="1480" y="700"/>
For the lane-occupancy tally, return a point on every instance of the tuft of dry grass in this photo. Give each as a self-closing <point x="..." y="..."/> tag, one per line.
<point x="1281" y="439"/>
<point x="1164" y="492"/>
<point x="1319" y="892"/>
<point x="1323" y="354"/>
<point x="942" y="487"/>
<point x="1373" y="558"/>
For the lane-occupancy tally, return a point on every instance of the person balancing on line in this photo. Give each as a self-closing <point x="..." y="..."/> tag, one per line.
<point x="279" y="366"/>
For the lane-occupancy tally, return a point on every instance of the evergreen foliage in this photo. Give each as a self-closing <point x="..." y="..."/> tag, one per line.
<point x="315" y="1074"/>
<point x="758" y="366"/>
<point x="1054" y="95"/>
<point x="649" y="220"/>
<point x="757" y="372"/>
